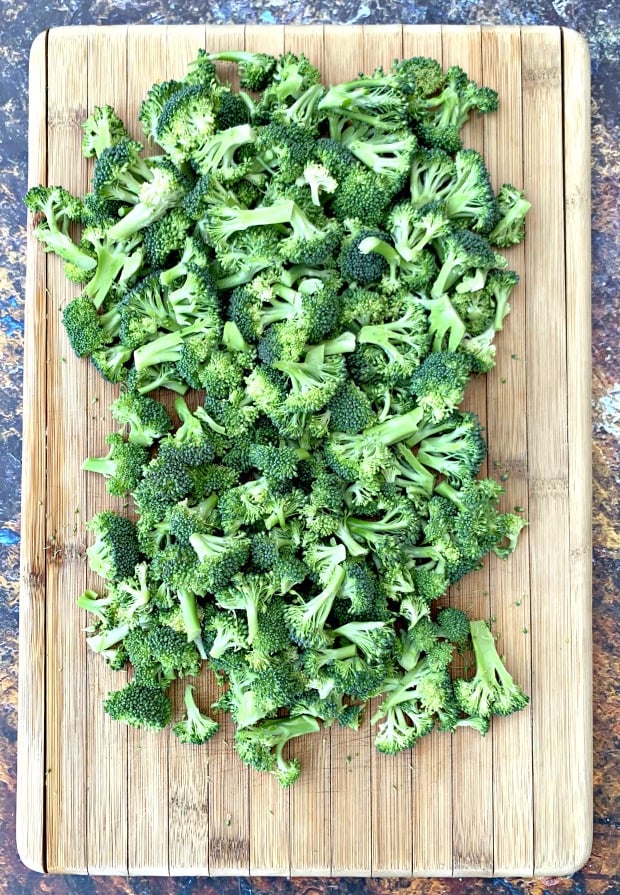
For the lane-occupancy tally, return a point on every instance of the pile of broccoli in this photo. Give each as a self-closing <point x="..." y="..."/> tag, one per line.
<point x="315" y="274"/>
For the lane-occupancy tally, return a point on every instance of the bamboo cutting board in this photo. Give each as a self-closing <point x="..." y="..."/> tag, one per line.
<point x="96" y="797"/>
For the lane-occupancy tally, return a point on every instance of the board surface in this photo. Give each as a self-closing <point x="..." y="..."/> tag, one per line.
<point x="95" y="797"/>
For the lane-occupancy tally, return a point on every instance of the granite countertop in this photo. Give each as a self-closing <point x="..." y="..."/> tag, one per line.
<point x="599" y="22"/>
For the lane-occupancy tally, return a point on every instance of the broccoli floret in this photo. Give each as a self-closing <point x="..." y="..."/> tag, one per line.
<point x="438" y="118"/>
<point x="102" y="129"/>
<point x="439" y="383"/>
<point x="364" y="455"/>
<point x="144" y="313"/>
<point x="111" y="362"/>
<point x="59" y="209"/>
<point x="284" y="151"/>
<point x="120" y="172"/>
<point x="470" y="199"/>
<point x="336" y="158"/>
<point x="115" y="552"/>
<point x="255" y="69"/>
<point x="147" y="419"/>
<point x="194" y="728"/>
<point x="122" y="466"/>
<point x="187" y="118"/>
<point x="140" y="706"/>
<point x="360" y="267"/>
<point x="455" y="447"/>
<point x="386" y="154"/>
<point x="165" y="236"/>
<point x="262" y="746"/>
<point x="314" y="381"/>
<point x="412" y="228"/>
<point x="318" y="179"/>
<point x="363" y="195"/>
<point x="350" y="410"/>
<point x="405" y="343"/>
<point x="250" y="594"/>
<point x="492" y="690"/>
<point x="218" y="154"/>
<point x="164" y="188"/>
<point x="306" y="620"/>
<point x="86" y="328"/>
<point x="220" y="557"/>
<point x="513" y="208"/>
<point x="431" y="177"/>
<point x="292" y="77"/>
<point x="377" y="100"/>
<point x="152" y="107"/>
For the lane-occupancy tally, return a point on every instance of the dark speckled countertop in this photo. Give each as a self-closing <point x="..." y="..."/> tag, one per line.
<point x="599" y="22"/>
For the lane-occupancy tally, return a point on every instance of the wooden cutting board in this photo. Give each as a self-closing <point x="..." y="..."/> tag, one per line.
<point x="96" y="797"/>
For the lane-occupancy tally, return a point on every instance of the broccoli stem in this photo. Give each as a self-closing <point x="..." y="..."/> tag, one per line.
<point x="488" y="663"/>
<point x="396" y="428"/>
<point x="102" y="465"/>
<point x="165" y="349"/>
<point x="189" y="614"/>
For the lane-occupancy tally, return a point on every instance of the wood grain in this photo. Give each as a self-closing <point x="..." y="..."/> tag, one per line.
<point x="95" y="797"/>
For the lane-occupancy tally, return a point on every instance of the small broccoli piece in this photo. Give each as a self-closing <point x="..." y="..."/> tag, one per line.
<point x="293" y="77"/>
<point x="255" y="69"/>
<point x="144" y="313"/>
<point x="513" y="208"/>
<point x="336" y="158"/>
<point x="120" y="172"/>
<point x="363" y="195"/>
<point x="140" y="706"/>
<point x="377" y="100"/>
<point x="152" y="107"/>
<point x="439" y="383"/>
<point x="357" y="266"/>
<point x="115" y="553"/>
<point x="194" y="728"/>
<point x="147" y="419"/>
<point x="470" y="199"/>
<point x="250" y="594"/>
<point x="413" y="228"/>
<point x="162" y="375"/>
<point x="350" y="410"/>
<point x="306" y="620"/>
<point x="163" y="190"/>
<point x="454" y="447"/>
<point x="87" y="329"/>
<point x="111" y="362"/>
<point x="364" y="455"/>
<point x="102" y="129"/>
<point x="386" y="154"/>
<point x="165" y="236"/>
<point x="122" y="466"/>
<point x="438" y="118"/>
<point x="220" y="557"/>
<point x="58" y="210"/>
<point x="284" y="151"/>
<point x="492" y="690"/>
<point x="187" y="118"/>
<point x="219" y="156"/>
<point x="262" y="746"/>
<point x="318" y="178"/>
<point x="405" y="343"/>
<point x="431" y="177"/>
<point x="314" y="381"/>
